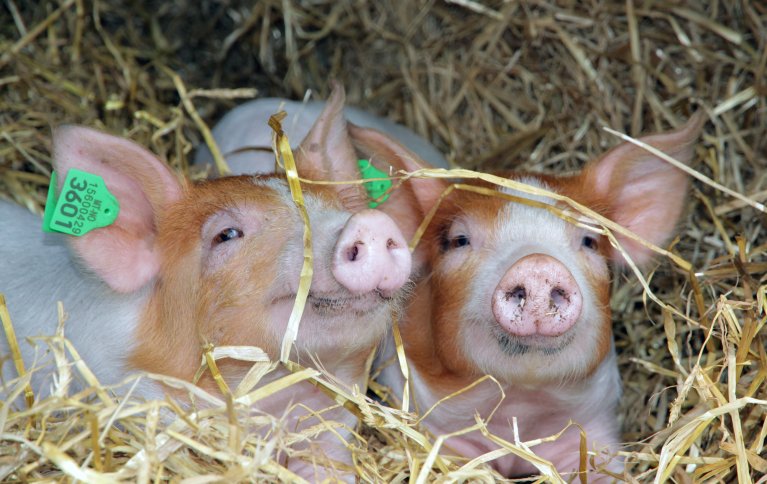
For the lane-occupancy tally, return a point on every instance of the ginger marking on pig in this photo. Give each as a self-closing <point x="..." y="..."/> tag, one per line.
<point x="520" y="294"/>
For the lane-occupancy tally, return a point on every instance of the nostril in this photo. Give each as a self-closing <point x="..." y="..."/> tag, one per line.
<point x="390" y="244"/>
<point x="354" y="251"/>
<point x="517" y="296"/>
<point x="558" y="298"/>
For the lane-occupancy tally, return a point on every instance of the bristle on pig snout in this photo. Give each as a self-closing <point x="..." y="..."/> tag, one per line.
<point x="537" y="296"/>
<point x="371" y="255"/>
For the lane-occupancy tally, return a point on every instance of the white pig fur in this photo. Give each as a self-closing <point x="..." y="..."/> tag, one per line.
<point x="170" y="275"/>
<point x="42" y="271"/>
<point x="451" y="329"/>
<point x="247" y="145"/>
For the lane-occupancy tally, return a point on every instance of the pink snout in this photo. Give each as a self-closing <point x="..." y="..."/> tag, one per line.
<point x="371" y="254"/>
<point x="537" y="296"/>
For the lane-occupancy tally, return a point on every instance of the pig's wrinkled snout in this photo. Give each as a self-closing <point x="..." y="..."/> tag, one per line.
<point x="371" y="254"/>
<point x="537" y="296"/>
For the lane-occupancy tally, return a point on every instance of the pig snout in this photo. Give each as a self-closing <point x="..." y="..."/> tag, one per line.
<point x="537" y="296"/>
<point x="371" y="254"/>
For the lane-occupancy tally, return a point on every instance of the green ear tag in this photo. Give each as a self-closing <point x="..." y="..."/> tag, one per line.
<point x="376" y="188"/>
<point x="84" y="204"/>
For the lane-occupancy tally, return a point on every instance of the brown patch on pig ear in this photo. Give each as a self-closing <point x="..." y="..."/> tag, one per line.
<point x="123" y="254"/>
<point x="409" y="203"/>
<point x="641" y="191"/>
<point x="327" y="152"/>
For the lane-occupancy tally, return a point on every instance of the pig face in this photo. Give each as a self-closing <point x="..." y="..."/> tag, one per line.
<point x="235" y="271"/>
<point x="517" y="292"/>
<point x="521" y="292"/>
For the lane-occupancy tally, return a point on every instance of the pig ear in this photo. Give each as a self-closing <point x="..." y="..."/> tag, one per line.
<point x="330" y="152"/>
<point x="327" y="153"/>
<point x="123" y="254"/>
<point x="409" y="203"/>
<point x="644" y="193"/>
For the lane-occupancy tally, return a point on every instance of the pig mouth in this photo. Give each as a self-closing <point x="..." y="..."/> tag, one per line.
<point x="523" y="345"/>
<point x="335" y="304"/>
<point x="331" y="305"/>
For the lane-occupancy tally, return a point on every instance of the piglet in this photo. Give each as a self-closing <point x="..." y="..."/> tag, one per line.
<point x="519" y="294"/>
<point x="247" y="146"/>
<point x="188" y="264"/>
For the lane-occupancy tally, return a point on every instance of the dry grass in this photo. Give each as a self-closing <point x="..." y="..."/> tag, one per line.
<point x="526" y="85"/>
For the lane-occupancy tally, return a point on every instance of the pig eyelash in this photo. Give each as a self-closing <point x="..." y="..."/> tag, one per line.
<point x="229" y="233"/>
<point x="460" y="241"/>
<point x="590" y="242"/>
<point x="454" y="235"/>
<point x="456" y="242"/>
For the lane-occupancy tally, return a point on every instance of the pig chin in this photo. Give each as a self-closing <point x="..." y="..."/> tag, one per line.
<point x="534" y="359"/>
<point x="524" y="345"/>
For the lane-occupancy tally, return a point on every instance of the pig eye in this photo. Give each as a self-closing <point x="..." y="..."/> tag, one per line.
<point x="459" y="241"/>
<point x="455" y="236"/>
<point x="226" y="235"/>
<point x="589" y="242"/>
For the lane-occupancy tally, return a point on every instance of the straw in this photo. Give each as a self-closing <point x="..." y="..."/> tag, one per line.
<point x="494" y="86"/>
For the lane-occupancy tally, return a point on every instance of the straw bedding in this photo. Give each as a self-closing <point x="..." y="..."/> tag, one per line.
<point x="526" y="85"/>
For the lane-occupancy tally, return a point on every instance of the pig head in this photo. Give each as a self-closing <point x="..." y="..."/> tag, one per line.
<point x="218" y="262"/>
<point x="517" y="293"/>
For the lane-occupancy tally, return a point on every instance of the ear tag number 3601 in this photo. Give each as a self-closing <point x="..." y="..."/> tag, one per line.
<point x="83" y="205"/>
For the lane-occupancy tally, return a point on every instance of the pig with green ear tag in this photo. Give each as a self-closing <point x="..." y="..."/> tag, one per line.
<point x="216" y="262"/>
<point x="519" y="294"/>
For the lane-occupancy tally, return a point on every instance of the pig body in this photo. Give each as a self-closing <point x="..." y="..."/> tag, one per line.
<point x="216" y="262"/>
<point x="246" y="143"/>
<point x="517" y="293"/>
<point x="39" y="271"/>
<point x="540" y="412"/>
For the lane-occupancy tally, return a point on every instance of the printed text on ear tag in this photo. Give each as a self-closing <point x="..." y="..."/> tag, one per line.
<point x="375" y="188"/>
<point x="83" y="205"/>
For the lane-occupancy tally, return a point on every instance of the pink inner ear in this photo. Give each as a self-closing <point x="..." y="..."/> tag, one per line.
<point x="409" y="203"/>
<point x="327" y="153"/>
<point x="126" y="262"/>
<point x="650" y="207"/>
<point x="123" y="254"/>
<point x="385" y="152"/>
<point x="645" y="194"/>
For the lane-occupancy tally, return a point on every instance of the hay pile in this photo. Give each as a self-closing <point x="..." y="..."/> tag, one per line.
<point x="494" y="85"/>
